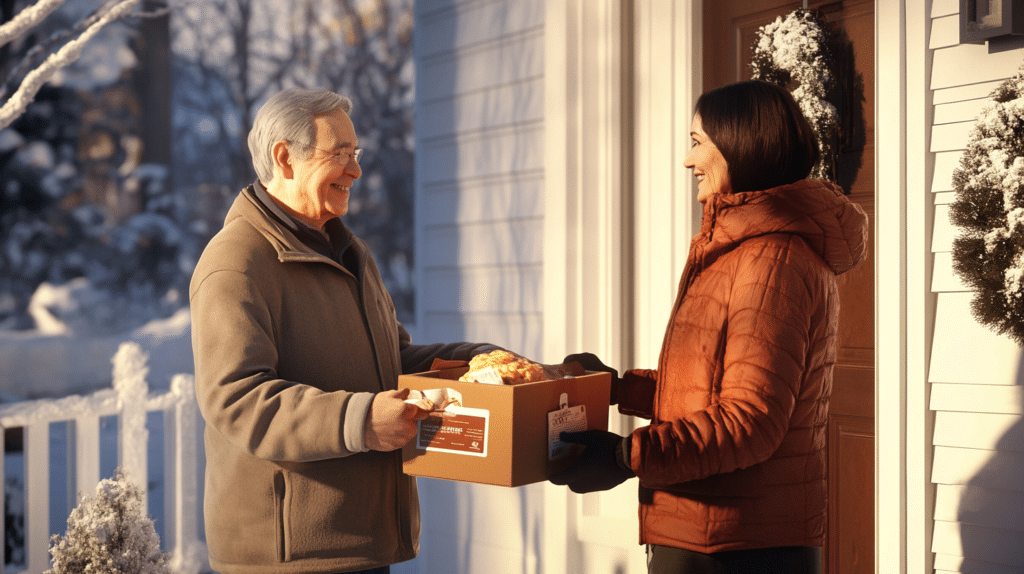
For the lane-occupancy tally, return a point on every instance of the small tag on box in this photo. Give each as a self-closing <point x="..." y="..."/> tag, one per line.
<point x="565" y="419"/>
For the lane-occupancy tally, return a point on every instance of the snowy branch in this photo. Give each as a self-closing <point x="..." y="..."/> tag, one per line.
<point x="35" y="79"/>
<point x="27" y="19"/>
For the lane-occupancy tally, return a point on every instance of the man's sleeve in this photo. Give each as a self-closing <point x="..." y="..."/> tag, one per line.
<point x="418" y="358"/>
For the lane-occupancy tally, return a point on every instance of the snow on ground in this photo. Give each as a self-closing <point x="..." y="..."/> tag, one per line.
<point x="36" y="364"/>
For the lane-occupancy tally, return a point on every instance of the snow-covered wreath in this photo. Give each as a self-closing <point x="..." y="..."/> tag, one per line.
<point x="794" y="52"/>
<point x="988" y="252"/>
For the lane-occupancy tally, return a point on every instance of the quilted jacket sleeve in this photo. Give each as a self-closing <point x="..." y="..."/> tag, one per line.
<point x="760" y="346"/>
<point x="636" y="392"/>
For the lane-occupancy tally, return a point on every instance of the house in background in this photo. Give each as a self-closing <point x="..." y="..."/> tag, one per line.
<point x="554" y="216"/>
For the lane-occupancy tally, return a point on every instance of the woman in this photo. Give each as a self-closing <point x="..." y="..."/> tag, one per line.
<point x="732" y="465"/>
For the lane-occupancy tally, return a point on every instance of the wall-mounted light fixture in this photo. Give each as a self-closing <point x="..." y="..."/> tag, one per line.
<point x="982" y="20"/>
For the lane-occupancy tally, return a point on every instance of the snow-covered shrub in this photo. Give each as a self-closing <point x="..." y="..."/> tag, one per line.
<point x="108" y="534"/>
<point x="988" y="253"/>
<point x="794" y="52"/>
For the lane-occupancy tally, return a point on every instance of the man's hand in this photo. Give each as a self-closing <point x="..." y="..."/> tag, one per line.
<point x="392" y="422"/>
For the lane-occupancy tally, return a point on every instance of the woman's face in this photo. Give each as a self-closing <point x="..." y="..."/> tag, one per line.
<point x="707" y="163"/>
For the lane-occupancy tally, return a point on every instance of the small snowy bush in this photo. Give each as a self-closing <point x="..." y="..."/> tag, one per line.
<point x="988" y="252"/>
<point x="108" y="534"/>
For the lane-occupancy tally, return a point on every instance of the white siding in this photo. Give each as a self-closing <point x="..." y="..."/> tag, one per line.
<point x="976" y="392"/>
<point x="479" y="221"/>
<point x="479" y="171"/>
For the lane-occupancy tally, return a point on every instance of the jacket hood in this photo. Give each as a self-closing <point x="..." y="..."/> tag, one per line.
<point x="834" y="227"/>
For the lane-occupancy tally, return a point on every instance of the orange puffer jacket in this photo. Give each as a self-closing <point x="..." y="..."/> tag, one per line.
<point x="734" y="457"/>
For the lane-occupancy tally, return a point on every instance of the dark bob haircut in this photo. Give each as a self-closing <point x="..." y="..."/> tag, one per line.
<point x="761" y="132"/>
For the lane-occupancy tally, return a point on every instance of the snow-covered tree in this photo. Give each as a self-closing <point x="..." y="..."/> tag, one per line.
<point x="60" y="49"/>
<point x="79" y="203"/>
<point x="109" y="534"/>
<point x="234" y="54"/>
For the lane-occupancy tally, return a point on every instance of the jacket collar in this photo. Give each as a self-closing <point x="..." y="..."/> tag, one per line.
<point x="292" y="239"/>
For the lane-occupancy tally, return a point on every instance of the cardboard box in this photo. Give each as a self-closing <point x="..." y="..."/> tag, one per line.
<point x="500" y="434"/>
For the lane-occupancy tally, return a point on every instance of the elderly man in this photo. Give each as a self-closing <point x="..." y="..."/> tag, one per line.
<point x="297" y="354"/>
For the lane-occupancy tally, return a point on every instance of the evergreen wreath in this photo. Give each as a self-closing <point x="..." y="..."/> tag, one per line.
<point x="794" y="52"/>
<point x="988" y="252"/>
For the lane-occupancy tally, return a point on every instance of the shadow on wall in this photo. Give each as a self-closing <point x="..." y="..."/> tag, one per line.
<point x="847" y="95"/>
<point x="991" y="510"/>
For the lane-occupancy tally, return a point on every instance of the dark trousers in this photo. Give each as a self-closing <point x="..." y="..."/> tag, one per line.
<point x="784" y="560"/>
<point x="381" y="570"/>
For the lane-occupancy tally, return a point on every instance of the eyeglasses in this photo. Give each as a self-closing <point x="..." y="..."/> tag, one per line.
<point x="340" y="157"/>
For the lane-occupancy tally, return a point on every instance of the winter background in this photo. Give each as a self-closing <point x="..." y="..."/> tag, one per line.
<point x="123" y="167"/>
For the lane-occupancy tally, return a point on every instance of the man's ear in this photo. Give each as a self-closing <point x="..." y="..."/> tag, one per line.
<point x="282" y="158"/>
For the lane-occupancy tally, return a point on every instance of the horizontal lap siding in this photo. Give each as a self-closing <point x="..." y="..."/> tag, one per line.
<point x="479" y="208"/>
<point x="976" y="392"/>
<point x="480" y="131"/>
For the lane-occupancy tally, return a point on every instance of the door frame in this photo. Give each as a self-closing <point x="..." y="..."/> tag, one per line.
<point x="904" y="496"/>
<point x="587" y="235"/>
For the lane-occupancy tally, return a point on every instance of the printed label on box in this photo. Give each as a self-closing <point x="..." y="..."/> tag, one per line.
<point x="565" y="419"/>
<point x="460" y="431"/>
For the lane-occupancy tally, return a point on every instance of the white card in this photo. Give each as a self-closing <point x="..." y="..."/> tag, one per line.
<point x="487" y="376"/>
<point x="565" y="419"/>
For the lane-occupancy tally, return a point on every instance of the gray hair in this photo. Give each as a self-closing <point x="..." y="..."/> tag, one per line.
<point x="288" y="115"/>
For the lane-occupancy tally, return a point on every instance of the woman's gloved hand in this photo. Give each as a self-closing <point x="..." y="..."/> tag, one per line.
<point x="590" y="362"/>
<point x="603" y="464"/>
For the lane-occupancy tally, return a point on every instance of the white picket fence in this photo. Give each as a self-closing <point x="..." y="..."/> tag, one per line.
<point x="129" y="400"/>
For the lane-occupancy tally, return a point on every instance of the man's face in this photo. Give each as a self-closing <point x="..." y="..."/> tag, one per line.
<point x="323" y="181"/>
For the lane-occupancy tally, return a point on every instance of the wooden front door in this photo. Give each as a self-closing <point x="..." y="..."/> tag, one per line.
<point x="729" y="29"/>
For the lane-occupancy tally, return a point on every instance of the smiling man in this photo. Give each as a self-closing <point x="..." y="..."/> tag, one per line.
<point x="297" y="354"/>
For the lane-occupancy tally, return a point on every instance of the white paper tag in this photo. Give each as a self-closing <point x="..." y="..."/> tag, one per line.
<point x="565" y="419"/>
<point x="443" y="399"/>
<point x="487" y="376"/>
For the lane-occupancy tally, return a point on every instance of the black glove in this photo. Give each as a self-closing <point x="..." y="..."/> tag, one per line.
<point x="601" y="466"/>
<point x="590" y="362"/>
